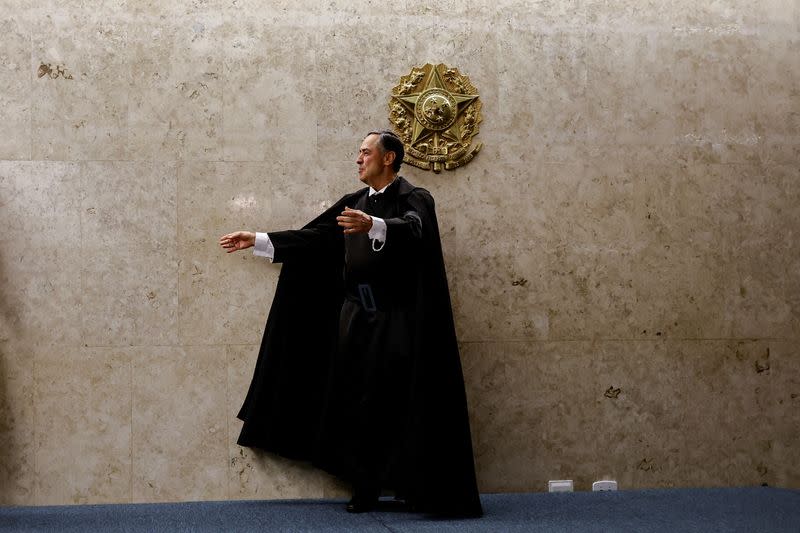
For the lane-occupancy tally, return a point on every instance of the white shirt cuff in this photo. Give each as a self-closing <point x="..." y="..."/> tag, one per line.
<point x="378" y="231"/>
<point x="263" y="246"/>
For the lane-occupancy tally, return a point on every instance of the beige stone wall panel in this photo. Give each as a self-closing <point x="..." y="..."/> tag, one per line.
<point x="542" y="85"/>
<point x="40" y="262"/>
<point x="176" y="89"/>
<point x="80" y="108"/>
<point x="83" y="426"/>
<point x="762" y="297"/>
<point x="631" y="89"/>
<point x="15" y="90"/>
<point x="775" y="77"/>
<point x="269" y="110"/>
<point x="783" y="410"/>
<point x="129" y="283"/>
<point x="179" y="428"/>
<point x="733" y="426"/>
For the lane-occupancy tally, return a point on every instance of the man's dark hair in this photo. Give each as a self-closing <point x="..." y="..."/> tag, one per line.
<point x="388" y="141"/>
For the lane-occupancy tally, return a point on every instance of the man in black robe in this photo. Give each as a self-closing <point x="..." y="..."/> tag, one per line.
<point x="359" y="370"/>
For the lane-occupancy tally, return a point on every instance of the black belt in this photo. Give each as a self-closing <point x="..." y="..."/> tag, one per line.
<point x="372" y="297"/>
<point x="367" y="297"/>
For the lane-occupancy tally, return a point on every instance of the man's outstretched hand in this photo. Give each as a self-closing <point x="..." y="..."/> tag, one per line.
<point x="238" y="240"/>
<point x="355" y="221"/>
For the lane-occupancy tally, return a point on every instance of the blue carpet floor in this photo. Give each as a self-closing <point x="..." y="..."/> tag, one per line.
<point x="701" y="510"/>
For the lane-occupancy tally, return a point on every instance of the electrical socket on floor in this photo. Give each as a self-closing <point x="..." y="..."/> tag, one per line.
<point x="604" y="485"/>
<point x="560" y="485"/>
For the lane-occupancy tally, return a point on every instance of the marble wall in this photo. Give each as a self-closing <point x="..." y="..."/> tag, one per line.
<point x="623" y="253"/>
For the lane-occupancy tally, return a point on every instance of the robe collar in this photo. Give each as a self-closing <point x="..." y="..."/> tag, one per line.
<point x="403" y="187"/>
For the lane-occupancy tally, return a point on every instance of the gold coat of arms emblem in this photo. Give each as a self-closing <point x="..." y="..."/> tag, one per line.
<point x="436" y="112"/>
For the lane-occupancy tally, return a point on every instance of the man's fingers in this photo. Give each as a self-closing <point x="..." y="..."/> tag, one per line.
<point x="238" y="240"/>
<point x="353" y="215"/>
<point x="351" y="222"/>
<point x="351" y="225"/>
<point x="228" y="242"/>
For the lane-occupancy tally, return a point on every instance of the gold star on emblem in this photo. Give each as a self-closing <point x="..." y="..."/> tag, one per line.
<point x="436" y="111"/>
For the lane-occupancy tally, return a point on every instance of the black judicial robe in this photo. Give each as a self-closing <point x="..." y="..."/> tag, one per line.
<point x="291" y="406"/>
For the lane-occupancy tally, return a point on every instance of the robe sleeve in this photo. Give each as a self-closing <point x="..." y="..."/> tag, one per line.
<point x="303" y="244"/>
<point x="317" y="239"/>
<point x="407" y="228"/>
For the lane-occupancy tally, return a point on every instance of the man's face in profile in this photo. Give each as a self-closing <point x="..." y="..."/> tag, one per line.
<point x="370" y="160"/>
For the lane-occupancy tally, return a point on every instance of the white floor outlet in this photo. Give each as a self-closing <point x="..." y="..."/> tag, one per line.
<point x="603" y="486"/>
<point x="560" y="485"/>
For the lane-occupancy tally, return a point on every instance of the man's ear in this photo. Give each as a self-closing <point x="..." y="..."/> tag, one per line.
<point x="388" y="158"/>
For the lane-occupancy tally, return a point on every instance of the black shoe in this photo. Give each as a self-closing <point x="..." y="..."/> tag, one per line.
<point x="363" y="500"/>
